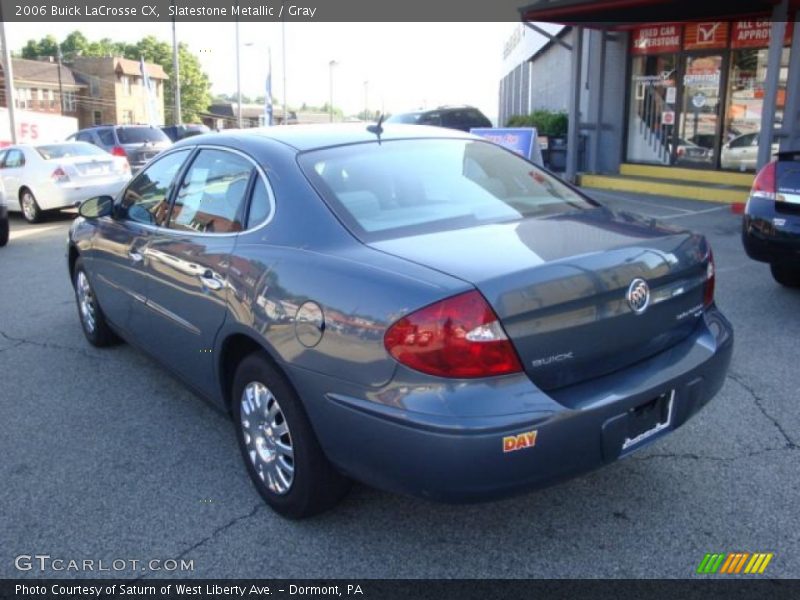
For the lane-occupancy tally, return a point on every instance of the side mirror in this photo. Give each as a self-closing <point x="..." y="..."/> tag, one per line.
<point x="94" y="208"/>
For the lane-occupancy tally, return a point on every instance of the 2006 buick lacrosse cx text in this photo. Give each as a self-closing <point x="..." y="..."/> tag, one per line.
<point x="414" y="308"/>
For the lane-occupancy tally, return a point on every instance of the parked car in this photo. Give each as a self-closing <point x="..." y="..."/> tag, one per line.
<point x="137" y="143"/>
<point x="462" y="118"/>
<point x="179" y="132"/>
<point x="741" y="152"/>
<point x="43" y="177"/>
<point x="689" y="152"/>
<point x="4" y="227"/>
<point x="771" y="224"/>
<point x="415" y="308"/>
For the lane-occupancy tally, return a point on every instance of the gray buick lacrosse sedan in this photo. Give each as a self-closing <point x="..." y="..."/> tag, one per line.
<point x="411" y="307"/>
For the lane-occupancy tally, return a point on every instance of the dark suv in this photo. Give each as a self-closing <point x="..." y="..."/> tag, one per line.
<point x="137" y="143"/>
<point x="463" y="118"/>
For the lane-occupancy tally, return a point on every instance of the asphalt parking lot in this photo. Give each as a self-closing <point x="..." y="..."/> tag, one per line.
<point x="106" y="456"/>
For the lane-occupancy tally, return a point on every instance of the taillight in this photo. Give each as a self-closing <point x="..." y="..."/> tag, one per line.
<point x="764" y="184"/>
<point x="119" y="151"/>
<point x="457" y="337"/>
<point x="711" y="277"/>
<point x="59" y="175"/>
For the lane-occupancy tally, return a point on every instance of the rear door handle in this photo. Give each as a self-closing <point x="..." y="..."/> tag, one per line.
<point x="135" y="256"/>
<point x="210" y="282"/>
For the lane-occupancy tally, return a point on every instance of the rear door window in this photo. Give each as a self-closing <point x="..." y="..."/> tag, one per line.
<point x="14" y="159"/>
<point x="85" y="136"/>
<point x="213" y="193"/>
<point x="106" y="137"/>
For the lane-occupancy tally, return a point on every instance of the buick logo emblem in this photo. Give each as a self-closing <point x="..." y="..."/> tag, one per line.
<point x="638" y="295"/>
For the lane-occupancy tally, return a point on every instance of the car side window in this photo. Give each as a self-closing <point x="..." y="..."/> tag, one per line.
<point x="2" y="158"/>
<point x="431" y="119"/>
<point x="259" y="204"/>
<point x="106" y="137"/>
<point x="14" y="159"/>
<point x="84" y="136"/>
<point x="212" y="196"/>
<point x="146" y="199"/>
<point x="455" y="119"/>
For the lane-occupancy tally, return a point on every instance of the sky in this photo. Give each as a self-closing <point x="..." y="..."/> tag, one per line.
<point x="406" y="65"/>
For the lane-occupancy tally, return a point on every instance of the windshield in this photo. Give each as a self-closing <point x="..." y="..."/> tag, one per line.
<point x="140" y="135"/>
<point x="407" y="187"/>
<point x="55" y="151"/>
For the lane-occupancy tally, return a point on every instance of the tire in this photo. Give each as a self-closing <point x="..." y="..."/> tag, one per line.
<point x="279" y="447"/>
<point x="788" y="275"/>
<point x="3" y="232"/>
<point x="30" y="208"/>
<point x="93" y="321"/>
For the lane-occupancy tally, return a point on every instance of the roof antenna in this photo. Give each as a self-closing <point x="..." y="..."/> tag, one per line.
<point x="377" y="129"/>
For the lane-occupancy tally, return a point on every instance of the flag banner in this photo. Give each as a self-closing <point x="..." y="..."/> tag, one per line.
<point x="149" y="96"/>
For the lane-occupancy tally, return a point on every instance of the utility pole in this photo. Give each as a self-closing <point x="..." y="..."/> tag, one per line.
<point x="176" y="72"/>
<point x="331" y="64"/>
<point x="283" y="69"/>
<point x="60" y="59"/>
<point x="238" y="77"/>
<point x="8" y="72"/>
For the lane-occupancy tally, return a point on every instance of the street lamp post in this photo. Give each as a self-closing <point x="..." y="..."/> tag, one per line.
<point x="366" y="100"/>
<point x="331" y="64"/>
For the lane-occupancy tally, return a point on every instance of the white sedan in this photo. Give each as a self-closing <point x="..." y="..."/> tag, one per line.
<point x="45" y="177"/>
<point x="742" y="152"/>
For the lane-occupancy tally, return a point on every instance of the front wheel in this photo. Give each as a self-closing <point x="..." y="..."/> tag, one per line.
<point x="788" y="275"/>
<point x="30" y="208"/>
<point x="281" y="452"/>
<point x="93" y="321"/>
<point x="3" y="232"/>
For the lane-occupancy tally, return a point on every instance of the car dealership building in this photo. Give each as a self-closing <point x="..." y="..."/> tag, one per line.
<point x="706" y="95"/>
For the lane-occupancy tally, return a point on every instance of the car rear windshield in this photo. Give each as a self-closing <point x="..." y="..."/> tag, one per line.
<point x="140" y="135"/>
<point x="408" y="187"/>
<point x="55" y="151"/>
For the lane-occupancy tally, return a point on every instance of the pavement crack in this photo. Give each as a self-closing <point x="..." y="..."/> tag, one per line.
<point x="759" y="402"/>
<point x="216" y="533"/>
<point x="694" y="456"/>
<point x="48" y="345"/>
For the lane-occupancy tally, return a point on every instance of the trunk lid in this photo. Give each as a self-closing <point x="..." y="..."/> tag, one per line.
<point x="559" y="286"/>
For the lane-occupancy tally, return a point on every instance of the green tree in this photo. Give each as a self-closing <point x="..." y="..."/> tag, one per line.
<point x="47" y="46"/>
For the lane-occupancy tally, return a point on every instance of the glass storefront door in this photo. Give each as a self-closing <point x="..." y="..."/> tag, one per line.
<point x="697" y="142"/>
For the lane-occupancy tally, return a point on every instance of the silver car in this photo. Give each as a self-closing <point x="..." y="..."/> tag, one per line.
<point x="61" y="175"/>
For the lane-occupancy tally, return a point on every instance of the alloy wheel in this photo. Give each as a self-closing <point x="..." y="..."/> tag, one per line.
<point x="85" y="301"/>
<point x="267" y="437"/>
<point x="28" y="206"/>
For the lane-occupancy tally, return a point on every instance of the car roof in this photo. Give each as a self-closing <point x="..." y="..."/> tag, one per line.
<point x="311" y="137"/>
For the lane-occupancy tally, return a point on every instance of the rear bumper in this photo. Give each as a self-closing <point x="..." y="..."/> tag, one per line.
<point x="768" y="235"/>
<point x="376" y="439"/>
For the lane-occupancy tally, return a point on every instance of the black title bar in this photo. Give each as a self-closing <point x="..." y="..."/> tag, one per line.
<point x="733" y="588"/>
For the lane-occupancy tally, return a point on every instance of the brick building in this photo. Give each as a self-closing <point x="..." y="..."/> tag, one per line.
<point x="40" y="85"/>
<point x="115" y="90"/>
